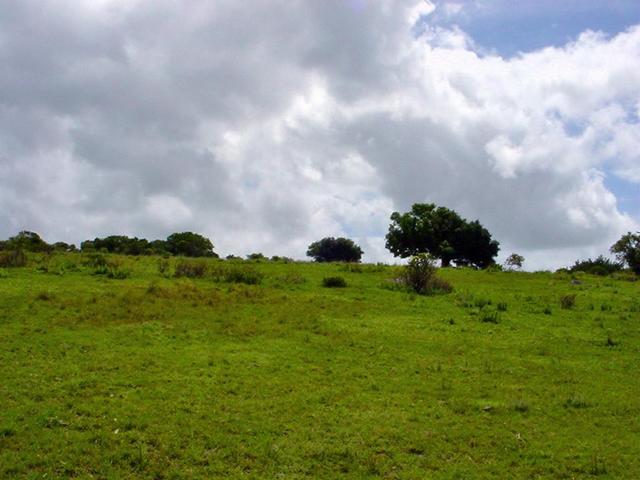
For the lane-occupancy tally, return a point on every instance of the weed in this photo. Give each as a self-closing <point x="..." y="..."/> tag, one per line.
<point x="502" y="306"/>
<point x="164" y="267"/>
<point x="489" y="316"/>
<point x="521" y="406"/>
<point x="44" y="296"/>
<point x="575" y="401"/>
<point x="547" y="311"/>
<point x="290" y="278"/>
<point x="568" y="301"/>
<point x="481" y="302"/>
<point x="611" y="342"/>
<point x="3" y="273"/>
<point x="352" y="268"/>
<point x="598" y="467"/>
<point x="247" y="275"/>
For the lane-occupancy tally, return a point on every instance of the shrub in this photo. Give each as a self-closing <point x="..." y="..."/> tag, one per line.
<point x="13" y="259"/>
<point x="576" y="401"/>
<point x="568" y="301"/>
<point x="95" y="260"/>
<point x="419" y="275"/>
<point x="246" y="275"/>
<point x="334" y="282"/>
<point x="190" y="269"/>
<point x="489" y="316"/>
<point x="600" y="266"/>
<point x="257" y="257"/>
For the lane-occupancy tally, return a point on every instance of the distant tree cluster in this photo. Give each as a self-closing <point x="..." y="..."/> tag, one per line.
<point x="425" y="229"/>
<point x="186" y="244"/>
<point x="600" y="266"/>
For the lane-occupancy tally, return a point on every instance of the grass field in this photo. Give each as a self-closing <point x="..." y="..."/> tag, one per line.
<point x="151" y="376"/>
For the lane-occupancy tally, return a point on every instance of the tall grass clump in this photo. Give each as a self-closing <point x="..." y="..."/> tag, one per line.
<point x="238" y="273"/>
<point x="191" y="268"/>
<point x="420" y="276"/>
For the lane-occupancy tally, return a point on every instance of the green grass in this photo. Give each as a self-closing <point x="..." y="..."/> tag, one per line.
<point x="148" y="376"/>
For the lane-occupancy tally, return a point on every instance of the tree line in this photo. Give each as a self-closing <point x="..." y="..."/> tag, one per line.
<point x="425" y="229"/>
<point x="186" y="244"/>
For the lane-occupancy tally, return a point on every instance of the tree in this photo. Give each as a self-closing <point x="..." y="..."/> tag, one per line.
<point x="190" y="244"/>
<point x="331" y="249"/>
<point x="28" y="241"/>
<point x="627" y="250"/>
<point x="514" y="261"/>
<point x="442" y="233"/>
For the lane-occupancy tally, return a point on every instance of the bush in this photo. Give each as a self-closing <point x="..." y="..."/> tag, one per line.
<point x="568" y="301"/>
<point x="190" y="269"/>
<point x="489" y="316"/>
<point x="246" y="275"/>
<point x="334" y="282"/>
<point x="13" y="259"/>
<point x="419" y="275"/>
<point x="600" y="266"/>
<point x="95" y="260"/>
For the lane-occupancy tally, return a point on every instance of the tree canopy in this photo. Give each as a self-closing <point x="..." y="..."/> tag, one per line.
<point x="441" y="232"/>
<point x="331" y="249"/>
<point x="28" y="241"/>
<point x="190" y="244"/>
<point x="627" y="250"/>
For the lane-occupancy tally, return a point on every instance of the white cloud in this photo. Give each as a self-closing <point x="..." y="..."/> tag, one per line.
<point x="270" y="127"/>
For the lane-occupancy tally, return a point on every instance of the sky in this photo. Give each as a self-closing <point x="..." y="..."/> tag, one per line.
<point x="267" y="125"/>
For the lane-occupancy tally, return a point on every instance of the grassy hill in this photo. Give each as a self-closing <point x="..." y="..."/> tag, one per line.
<point x="144" y="375"/>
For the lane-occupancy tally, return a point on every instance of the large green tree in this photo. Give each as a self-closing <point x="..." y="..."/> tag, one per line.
<point x="627" y="250"/>
<point x="441" y="232"/>
<point x="331" y="249"/>
<point x="190" y="244"/>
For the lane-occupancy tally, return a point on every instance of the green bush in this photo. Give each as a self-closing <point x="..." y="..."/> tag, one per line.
<point x="489" y="316"/>
<point x="568" y="301"/>
<point x="191" y="268"/>
<point x="334" y="282"/>
<point x="419" y="275"/>
<point x="246" y="274"/>
<point x="13" y="259"/>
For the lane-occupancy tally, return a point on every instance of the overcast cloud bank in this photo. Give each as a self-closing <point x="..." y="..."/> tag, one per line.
<point x="268" y="127"/>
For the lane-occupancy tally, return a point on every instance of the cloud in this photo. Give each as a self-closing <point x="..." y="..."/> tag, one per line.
<point x="270" y="126"/>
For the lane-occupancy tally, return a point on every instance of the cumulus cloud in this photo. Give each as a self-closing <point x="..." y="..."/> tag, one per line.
<point x="270" y="126"/>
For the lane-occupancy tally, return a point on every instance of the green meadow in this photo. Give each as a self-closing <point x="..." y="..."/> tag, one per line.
<point x="255" y="370"/>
